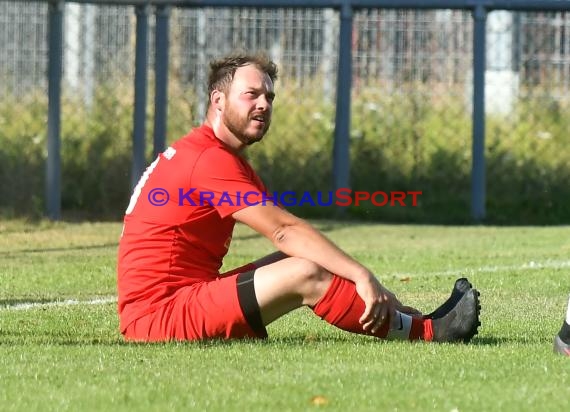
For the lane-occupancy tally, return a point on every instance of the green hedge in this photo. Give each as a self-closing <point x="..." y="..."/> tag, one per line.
<point x="401" y="141"/>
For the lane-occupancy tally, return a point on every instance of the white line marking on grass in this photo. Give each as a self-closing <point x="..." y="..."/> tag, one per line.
<point x="549" y="264"/>
<point x="67" y="302"/>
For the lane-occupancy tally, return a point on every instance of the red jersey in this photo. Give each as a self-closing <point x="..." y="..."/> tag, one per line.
<point x="178" y="225"/>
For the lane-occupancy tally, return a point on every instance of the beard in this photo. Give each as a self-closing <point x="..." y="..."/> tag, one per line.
<point x="238" y="125"/>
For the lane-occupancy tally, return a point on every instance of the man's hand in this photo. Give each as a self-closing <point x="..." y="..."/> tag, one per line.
<point x="380" y="304"/>
<point x="296" y="237"/>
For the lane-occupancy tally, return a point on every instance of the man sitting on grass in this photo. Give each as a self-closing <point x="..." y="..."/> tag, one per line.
<point x="178" y="228"/>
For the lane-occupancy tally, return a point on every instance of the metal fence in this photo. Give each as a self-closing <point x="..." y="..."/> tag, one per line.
<point x="387" y="48"/>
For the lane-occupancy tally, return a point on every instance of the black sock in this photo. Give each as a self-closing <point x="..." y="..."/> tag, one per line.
<point x="564" y="333"/>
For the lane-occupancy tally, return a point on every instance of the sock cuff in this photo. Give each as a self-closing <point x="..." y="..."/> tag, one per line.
<point x="402" y="329"/>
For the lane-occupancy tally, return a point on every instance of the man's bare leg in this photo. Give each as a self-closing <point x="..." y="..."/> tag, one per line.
<point x="290" y="283"/>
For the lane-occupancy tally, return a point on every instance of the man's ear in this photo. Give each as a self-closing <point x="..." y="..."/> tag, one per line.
<point x="217" y="99"/>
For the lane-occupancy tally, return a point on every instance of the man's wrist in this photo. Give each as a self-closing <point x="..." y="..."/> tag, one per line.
<point x="362" y="275"/>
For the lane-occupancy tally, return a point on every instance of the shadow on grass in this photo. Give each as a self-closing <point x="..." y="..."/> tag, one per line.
<point x="17" y="338"/>
<point x="361" y="339"/>
<point x="498" y="341"/>
<point x="492" y="341"/>
<point x="26" y="337"/>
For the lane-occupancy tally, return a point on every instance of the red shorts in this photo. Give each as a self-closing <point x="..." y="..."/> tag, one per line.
<point x="205" y="310"/>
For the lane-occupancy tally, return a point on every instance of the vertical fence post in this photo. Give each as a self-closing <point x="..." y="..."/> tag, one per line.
<point x="53" y="166"/>
<point x="341" y="149"/>
<point x="478" y="149"/>
<point x="141" y="57"/>
<point x="161" y="77"/>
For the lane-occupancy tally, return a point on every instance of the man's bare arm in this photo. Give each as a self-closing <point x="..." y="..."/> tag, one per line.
<point x="294" y="236"/>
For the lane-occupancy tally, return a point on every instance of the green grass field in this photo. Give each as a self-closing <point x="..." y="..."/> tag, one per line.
<point x="60" y="348"/>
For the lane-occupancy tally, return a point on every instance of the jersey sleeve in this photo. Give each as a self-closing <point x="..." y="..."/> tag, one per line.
<point x="226" y="182"/>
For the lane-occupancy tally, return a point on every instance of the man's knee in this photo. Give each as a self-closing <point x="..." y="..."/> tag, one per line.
<point x="311" y="278"/>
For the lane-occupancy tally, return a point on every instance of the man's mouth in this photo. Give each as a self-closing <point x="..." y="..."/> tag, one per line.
<point x="259" y="118"/>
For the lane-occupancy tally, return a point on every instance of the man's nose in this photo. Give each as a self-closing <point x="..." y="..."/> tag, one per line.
<point x="263" y="102"/>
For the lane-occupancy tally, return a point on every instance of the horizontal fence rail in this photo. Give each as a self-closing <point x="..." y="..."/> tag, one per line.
<point x="513" y="5"/>
<point x="344" y="18"/>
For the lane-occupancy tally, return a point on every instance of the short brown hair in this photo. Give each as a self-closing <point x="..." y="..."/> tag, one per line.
<point x="222" y="71"/>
